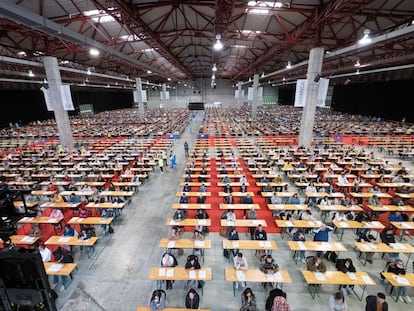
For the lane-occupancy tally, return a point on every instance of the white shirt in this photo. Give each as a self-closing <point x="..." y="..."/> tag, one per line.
<point x="46" y="254"/>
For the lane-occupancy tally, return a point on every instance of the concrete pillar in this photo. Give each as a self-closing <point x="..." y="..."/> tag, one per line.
<point x="255" y="96"/>
<point x="141" y="111"/>
<point x="239" y="90"/>
<point x="164" y="91"/>
<point x="308" y="114"/>
<point x="61" y="115"/>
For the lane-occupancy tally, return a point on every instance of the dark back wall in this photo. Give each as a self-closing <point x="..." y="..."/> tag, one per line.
<point x="24" y="106"/>
<point x="387" y="100"/>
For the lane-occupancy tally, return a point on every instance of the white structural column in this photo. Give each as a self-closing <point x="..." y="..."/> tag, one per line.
<point x="308" y="113"/>
<point x="239" y="92"/>
<point x="61" y="115"/>
<point x="141" y="111"/>
<point x="164" y="91"/>
<point x="255" y="100"/>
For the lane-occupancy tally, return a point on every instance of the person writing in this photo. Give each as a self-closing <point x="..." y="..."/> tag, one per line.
<point x="157" y="301"/>
<point x="268" y="266"/>
<point x="248" y="300"/>
<point x="240" y="263"/>
<point x="337" y="302"/>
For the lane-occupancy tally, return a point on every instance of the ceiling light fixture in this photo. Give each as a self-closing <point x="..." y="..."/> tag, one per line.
<point x="93" y="52"/>
<point x="357" y="64"/>
<point x="88" y="72"/>
<point x="366" y="39"/>
<point x="149" y="71"/>
<point x="31" y="74"/>
<point x="214" y="67"/>
<point x="289" y="65"/>
<point x="218" y="45"/>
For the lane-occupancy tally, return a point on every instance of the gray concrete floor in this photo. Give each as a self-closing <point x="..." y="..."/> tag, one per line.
<point x="116" y="276"/>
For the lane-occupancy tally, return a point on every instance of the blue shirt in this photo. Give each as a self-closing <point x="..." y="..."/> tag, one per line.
<point x="322" y="235"/>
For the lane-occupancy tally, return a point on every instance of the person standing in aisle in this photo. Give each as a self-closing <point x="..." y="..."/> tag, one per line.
<point x="161" y="165"/>
<point x="186" y="150"/>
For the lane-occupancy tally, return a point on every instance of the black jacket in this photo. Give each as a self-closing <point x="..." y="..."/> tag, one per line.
<point x="192" y="303"/>
<point x="372" y="304"/>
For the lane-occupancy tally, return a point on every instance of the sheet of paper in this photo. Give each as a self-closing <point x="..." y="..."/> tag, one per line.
<point x="319" y="276"/>
<point x="170" y="273"/>
<point x="256" y="222"/>
<point x="401" y="280"/>
<point x="372" y="246"/>
<point x="171" y="244"/>
<point x="202" y="222"/>
<point x="318" y="222"/>
<point x="352" y="276"/>
<point x="202" y="274"/>
<point x="278" y="277"/>
<point x="161" y="272"/>
<point x="184" y="206"/>
<point x="203" y="206"/>
<point x="301" y="245"/>
<point x="55" y="267"/>
<point x="376" y="224"/>
<point x="174" y="223"/>
<point x="236" y="244"/>
<point x="192" y="274"/>
<point x="289" y="224"/>
<point x="270" y="277"/>
<point x="366" y="246"/>
<point x="64" y="239"/>
<point x="199" y="243"/>
<point x="230" y="223"/>
<point x="367" y="279"/>
<point x="240" y="276"/>
<point x="343" y="224"/>
<point x="28" y="239"/>
<point x="338" y="245"/>
<point x="397" y="245"/>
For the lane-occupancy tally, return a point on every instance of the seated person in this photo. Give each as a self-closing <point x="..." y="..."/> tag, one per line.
<point x="268" y="266"/>
<point x="294" y="199"/>
<point x="203" y="188"/>
<point x="157" y="301"/>
<point x="168" y="260"/>
<point x="387" y="236"/>
<point x="395" y="217"/>
<point x="187" y="187"/>
<point x="192" y="299"/>
<point x="197" y="236"/>
<point x="397" y="268"/>
<point x="201" y="199"/>
<point x="192" y="264"/>
<point x="35" y="230"/>
<point x="345" y="265"/>
<point x="240" y="263"/>
<point x="233" y="235"/>
<point x="316" y="264"/>
<point x="184" y="198"/>
<point x="364" y="236"/>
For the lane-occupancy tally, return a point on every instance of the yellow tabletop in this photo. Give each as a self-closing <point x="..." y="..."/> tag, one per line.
<point x="404" y="225"/>
<point x="391" y="208"/>
<point x="337" y="207"/>
<point x="189" y="222"/>
<point x="79" y="193"/>
<point x="23" y="239"/>
<point x="352" y="224"/>
<point x="70" y="240"/>
<point x="191" y="206"/>
<point x="167" y="309"/>
<point x="249" y="244"/>
<point x="290" y="207"/>
<point x="117" y="193"/>
<point x="57" y="268"/>
<point x="105" y="205"/>
<point x="324" y="194"/>
<point x="236" y="194"/>
<point x="399" y="280"/>
<point x="195" y="183"/>
<point x="298" y="223"/>
<point x="384" y="248"/>
<point x="40" y="220"/>
<point x="193" y="194"/>
<point x="239" y="206"/>
<point x="91" y="220"/>
<point x="243" y="223"/>
<point x="283" y="194"/>
<point x="255" y="275"/>
<point x="337" y="277"/>
<point x="184" y="243"/>
<point x="316" y="246"/>
<point x="179" y="274"/>
<point x="60" y="205"/>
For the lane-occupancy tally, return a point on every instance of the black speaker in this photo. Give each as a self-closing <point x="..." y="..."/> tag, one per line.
<point x="317" y="78"/>
<point x="24" y="284"/>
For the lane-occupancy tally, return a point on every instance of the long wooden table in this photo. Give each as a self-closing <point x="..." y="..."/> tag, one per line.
<point x="191" y="206"/>
<point x="397" y="281"/>
<point x="405" y="248"/>
<point x="73" y="241"/>
<point x="314" y="246"/>
<point x="185" y="243"/>
<point x="285" y="224"/>
<point x="250" y="245"/>
<point x="239" y="206"/>
<point x="23" y="239"/>
<point x="160" y="274"/>
<point x="316" y="279"/>
<point x="189" y="222"/>
<point x="255" y="275"/>
<point x="243" y="223"/>
<point x="353" y="224"/>
<point x="62" y="269"/>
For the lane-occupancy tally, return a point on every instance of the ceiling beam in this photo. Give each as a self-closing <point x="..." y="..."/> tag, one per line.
<point x="32" y="20"/>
